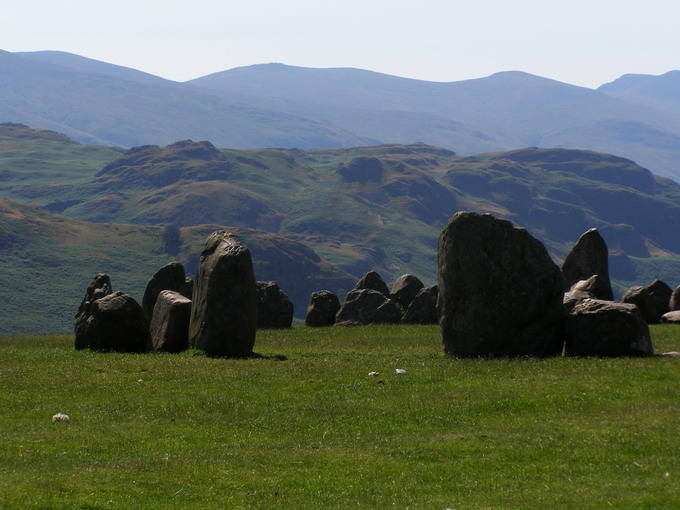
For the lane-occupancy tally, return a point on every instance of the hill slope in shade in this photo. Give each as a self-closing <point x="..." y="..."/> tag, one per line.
<point x="46" y="263"/>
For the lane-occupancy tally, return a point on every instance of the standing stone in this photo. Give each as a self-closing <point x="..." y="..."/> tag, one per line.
<point x="373" y="281"/>
<point x="367" y="306"/>
<point x="274" y="309"/>
<point x="170" y="322"/>
<point x="661" y="295"/>
<point x="639" y="296"/>
<point x="604" y="328"/>
<point x="99" y="287"/>
<point x="675" y="300"/>
<point x="224" y="311"/>
<point x="322" y="309"/>
<point x="500" y="294"/>
<point x="116" y="323"/>
<point x="404" y="290"/>
<point x="169" y="277"/>
<point x="423" y="308"/>
<point x="589" y="257"/>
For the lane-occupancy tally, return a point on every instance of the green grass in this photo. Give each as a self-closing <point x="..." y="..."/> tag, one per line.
<point x="313" y="430"/>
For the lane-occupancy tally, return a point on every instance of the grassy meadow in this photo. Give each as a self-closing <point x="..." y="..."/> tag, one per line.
<point x="305" y="426"/>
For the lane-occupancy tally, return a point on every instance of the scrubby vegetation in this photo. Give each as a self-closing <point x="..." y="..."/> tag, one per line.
<point x="305" y="426"/>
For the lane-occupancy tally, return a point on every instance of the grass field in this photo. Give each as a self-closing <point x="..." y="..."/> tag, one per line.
<point x="304" y="426"/>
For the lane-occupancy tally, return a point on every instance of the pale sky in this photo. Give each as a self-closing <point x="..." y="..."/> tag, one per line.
<point x="582" y="42"/>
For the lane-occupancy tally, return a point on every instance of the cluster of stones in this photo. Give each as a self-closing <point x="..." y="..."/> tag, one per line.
<point x="218" y="313"/>
<point x="371" y="302"/>
<point x="500" y="294"/>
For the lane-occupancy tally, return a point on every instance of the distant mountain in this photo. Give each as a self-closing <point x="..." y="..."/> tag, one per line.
<point x="660" y="92"/>
<point x="95" y="104"/>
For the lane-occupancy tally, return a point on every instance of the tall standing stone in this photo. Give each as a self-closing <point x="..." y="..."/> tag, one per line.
<point x="500" y="294"/>
<point x="224" y="311"/>
<point x="322" y="308"/>
<point x="661" y="295"/>
<point x="675" y="300"/>
<point x="170" y="322"/>
<point x="99" y="287"/>
<point x="589" y="257"/>
<point x="274" y="309"/>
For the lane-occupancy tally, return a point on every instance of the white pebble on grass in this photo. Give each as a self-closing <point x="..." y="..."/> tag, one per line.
<point x="400" y="371"/>
<point x="373" y="374"/>
<point x="60" y="417"/>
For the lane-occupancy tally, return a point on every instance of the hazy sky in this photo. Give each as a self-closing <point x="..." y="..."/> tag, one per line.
<point x="583" y="42"/>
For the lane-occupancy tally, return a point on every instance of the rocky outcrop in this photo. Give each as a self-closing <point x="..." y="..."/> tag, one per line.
<point x="115" y="322"/>
<point x="423" y="308"/>
<point x="274" y="309"/>
<point x="589" y="257"/>
<point x="604" y="328"/>
<point x="99" y="287"/>
<point x="170" y="323"/>
<point x="224" y="311"/>
<point x="169" y="277"/>
<point x="367" y="306"/>
<point x="404" y="290"/>
<point x="500" y="294"/>
<point x="639" y="296"/>
<point x="322" y="309"/>
<point x="373" y="281"/>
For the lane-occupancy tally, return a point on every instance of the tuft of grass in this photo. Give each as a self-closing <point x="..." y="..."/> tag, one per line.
<point x="304" y="426"/>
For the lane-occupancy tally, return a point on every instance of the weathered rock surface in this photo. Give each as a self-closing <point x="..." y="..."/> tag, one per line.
<point x="423" y="308"/>
<point x="367" y="306"/>
<point x="322" y="309"/>
<point x="404" y="290"/>
<point x="671" y="317"/>
<point x="274" y="309"/>
<point x="579" y="291"/>
<point x="99" y="287"/>
<point x="224" y="311"/>
<point x="675" y="300"/>
<point x="169" y="277"/>
<point x="500" y="294"/>
<point x="589" y="257"/>
<point x="170" y="323"/>
<point x="604" y="328"/>
<point x="373" y="281"/>
<point x="639" y="296"/>
<point x="116" y="323"/>
<point x="661" y="295"/>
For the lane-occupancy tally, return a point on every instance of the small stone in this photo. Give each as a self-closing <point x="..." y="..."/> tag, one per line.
<point x="400" y="371"/>
<point x="60" y="417"/>
<point x="373" y="374"/>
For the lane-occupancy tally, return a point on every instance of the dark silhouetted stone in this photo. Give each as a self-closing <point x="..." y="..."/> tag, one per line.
<point x="368" y="307"/>
<point x="604" y="328"/>
<point x="116" y="323"/>
<point x="274" y="309"/>
<point x="671" y="317"/>
<point x="675" y="300"/>
<point x="224" y="311"/>
<point x="99" y="287"/>
<point x="170" y="322"/>
<point x="404" y="289"/>
<point x="639" y="296"/>
<point x="661" y="295"/>
<point x="322" y="309"/>
<point x="373" y="281"/>
<point x="423" y="308"/>
<point x="500" y="294"/>
<point x="589" y="257"/>
<point x="169" y="277"/>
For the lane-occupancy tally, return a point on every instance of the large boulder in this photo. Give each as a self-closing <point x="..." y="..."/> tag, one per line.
<point x="675" y="300"/>
<point x="639" y="296"/>
<point x="170" y="322"/>
<point x="423" y="308"/>
<point x="224" y="311"/>
<point x="372" y="281"/>
<point x="116" y="322"/>
<point x="604" y="328"/>
<point x="99" y="287"/>
<point x="671" y="317"/>
<point x="169" y="277"/>
<point x="322" y="309"/>
<point x="367" y="307"/>
<point x="274" y="309"/>
<point x="404" y="289"/>
<point x="661" y="295"/>
<point x="500" y="294"/>
<point x="589" y="257"/>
